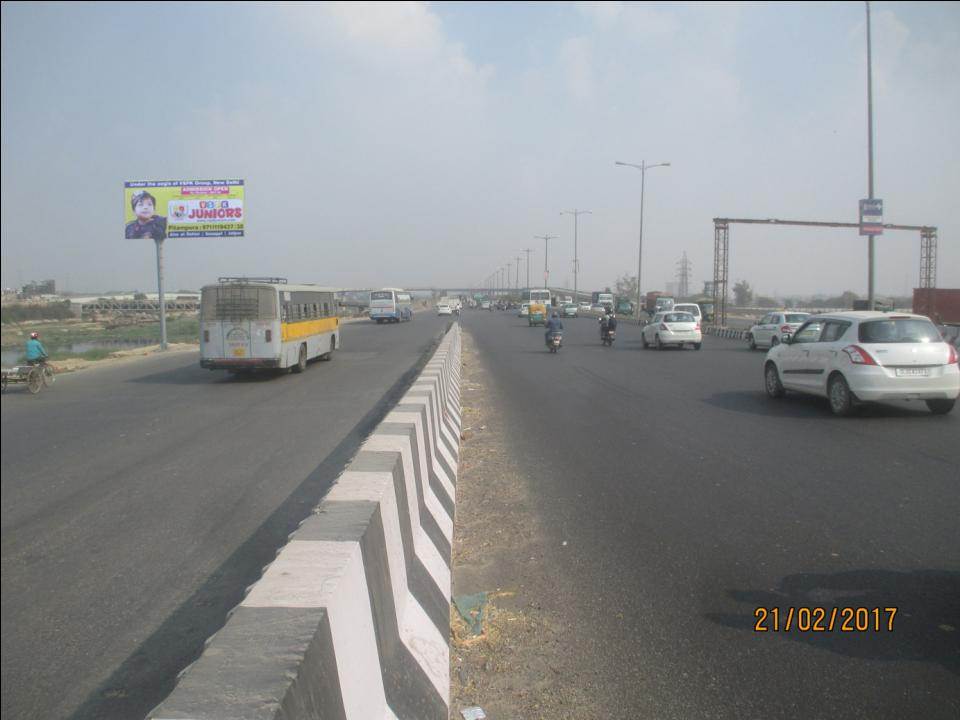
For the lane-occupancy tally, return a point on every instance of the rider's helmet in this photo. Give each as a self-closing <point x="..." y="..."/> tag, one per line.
<point x="34" y="335"/>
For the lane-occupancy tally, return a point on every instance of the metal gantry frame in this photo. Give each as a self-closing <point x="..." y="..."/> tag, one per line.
<point x="721" y="254"/>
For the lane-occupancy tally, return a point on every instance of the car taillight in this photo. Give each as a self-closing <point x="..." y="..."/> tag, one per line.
<point x="859" y="356"/>
<point x="951" y="355"/>
<point x="268" y="335"/>
<point x="697" y="327"/>
<point x="206" y="336"/>
<point x="786" y="329"/>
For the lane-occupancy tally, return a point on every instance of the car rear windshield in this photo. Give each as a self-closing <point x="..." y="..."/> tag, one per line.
<point x="381" y="295"/>
<point x="238" y="302"/>
<point x="678" y="317"/>
<point x="898" y="330"/>
<point x="796" y="317"/>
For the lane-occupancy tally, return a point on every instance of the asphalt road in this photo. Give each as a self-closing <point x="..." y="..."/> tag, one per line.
<point x="677" y="498"/>
<point x="140" y="500"/>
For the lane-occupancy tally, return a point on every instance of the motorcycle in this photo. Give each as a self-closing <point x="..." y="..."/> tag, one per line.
<point x="607" y="337"/>
<point x="554" y="342"/>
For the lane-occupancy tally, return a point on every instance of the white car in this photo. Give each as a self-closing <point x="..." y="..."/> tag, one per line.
<point x="672" y="328"/>
<point x="857" y="357"/>
<point x="444" y="309"/>
<point x="691" y="308"/>
<point x="583" y="307"/>
<point x="524" y="310"/>
<point x="773" y="326"/>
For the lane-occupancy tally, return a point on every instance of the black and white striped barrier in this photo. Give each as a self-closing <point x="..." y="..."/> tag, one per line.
<point x="351" y="620"/>
<point x="726" y="333"/>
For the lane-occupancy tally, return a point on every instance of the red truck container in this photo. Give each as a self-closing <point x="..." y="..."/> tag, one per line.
<point x="942" y="305"/>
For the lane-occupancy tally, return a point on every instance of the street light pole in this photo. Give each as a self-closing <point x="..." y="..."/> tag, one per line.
<point x="642" y="167"/>
<point x="546" y="256"/>
<point x="517" y="281"/>
<point x="528" y="251"/>
<point x="576" y="263"/>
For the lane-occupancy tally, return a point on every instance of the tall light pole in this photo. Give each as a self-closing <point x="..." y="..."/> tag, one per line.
<point x="546" y="256"/>
<point x="576" y="262"/>
<point x="871" y="267"/>
<point x="528" y="251"/>
<point x="642" y="167"/>
<point x="517" y="281"/>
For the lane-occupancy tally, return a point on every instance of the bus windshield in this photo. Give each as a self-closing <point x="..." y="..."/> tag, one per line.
<point x="381" y="295"/>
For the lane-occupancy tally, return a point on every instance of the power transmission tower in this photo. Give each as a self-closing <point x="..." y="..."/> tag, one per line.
<point x="683" y="276"/>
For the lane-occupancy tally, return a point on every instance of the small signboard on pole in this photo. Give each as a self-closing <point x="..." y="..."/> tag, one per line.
<point x="871" y="217"/>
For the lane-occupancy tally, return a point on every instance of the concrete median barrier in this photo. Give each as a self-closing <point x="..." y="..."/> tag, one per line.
<point x="351" y="620"/>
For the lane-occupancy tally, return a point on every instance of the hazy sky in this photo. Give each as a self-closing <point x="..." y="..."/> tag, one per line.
<point x="425" y="144"/>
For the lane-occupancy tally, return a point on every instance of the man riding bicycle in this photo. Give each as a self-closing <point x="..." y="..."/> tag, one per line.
<point x="36" y="352"/>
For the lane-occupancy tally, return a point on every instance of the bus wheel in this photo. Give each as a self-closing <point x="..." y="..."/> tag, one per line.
<point x="333" y="346"/>
<point x="301" y="361"/>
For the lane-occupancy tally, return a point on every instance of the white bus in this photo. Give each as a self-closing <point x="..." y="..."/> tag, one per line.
<point x="539" y="295"/>
<point x="390" y="305"/>
<point x="256" y="323"/>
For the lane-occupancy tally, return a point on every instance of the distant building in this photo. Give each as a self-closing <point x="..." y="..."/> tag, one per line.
<point x="34" y="289"/>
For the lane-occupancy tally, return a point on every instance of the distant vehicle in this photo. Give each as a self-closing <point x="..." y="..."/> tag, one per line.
<point x="856" y="357"/>
<point x="524" y="310"/>
<point x="672" y="328"/>
<point x="390" y="305"/>
<point x="538" y="295"/>
<point x="598" y="309"/>
<point x="567" y="300"/>
<point x="691" y="308"/>
<point x="657" y="301"/>
<point x="485" y="305"/>
<point x="444" y="309"/>
<point x="624" y="307"/>
<point x="257" y="323"/>
<point x="569" y="310"/>
<point x="772" y="327"/>
<point x="583" y="307"/>
<point x="602" y="298"/>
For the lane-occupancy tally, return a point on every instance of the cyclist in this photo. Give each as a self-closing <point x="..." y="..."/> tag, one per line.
<point x="36" y="352"/>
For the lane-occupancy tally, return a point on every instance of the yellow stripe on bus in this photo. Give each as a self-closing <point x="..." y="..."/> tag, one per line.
<point x="305" y="328"/>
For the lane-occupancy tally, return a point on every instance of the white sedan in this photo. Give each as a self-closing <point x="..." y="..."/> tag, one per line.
<point x="444" y="309"/>
<point x="672" y="328"/>
<point x="857" y="357"/>
<point x="773" y="326"/>
<point x="524" y="310"/>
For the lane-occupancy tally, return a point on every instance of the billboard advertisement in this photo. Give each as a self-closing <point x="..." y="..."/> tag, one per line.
<point x="158" y="209"/>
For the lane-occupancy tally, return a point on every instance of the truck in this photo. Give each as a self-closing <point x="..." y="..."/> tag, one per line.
<point x="602" y="298"/>
<point x="624" y="306"/>
<point x="942" y="305"/>
<point x="657" y="301"/>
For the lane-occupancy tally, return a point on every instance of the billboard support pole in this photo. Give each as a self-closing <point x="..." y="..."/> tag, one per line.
<point x="163" y="304"/>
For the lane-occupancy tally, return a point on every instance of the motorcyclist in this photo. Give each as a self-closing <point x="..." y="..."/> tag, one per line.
<point x="36" y="352"/>
<point x="554" y="326"/>
<point x="608" y="323"/>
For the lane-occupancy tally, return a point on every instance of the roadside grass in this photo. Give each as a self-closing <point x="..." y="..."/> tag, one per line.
<point x="53" y="335"/>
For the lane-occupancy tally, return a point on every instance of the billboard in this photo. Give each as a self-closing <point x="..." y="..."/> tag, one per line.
<point x="871" y="217"/>
<point x="158" y="209"/>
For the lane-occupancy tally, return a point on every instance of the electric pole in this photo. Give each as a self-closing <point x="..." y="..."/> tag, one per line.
<point x="576" y="262"/>
<point x="546" y="256"/>
<point x="528" y="251"/>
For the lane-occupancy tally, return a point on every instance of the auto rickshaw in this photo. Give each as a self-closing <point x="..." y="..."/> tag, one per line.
<point x="538" y="314"/>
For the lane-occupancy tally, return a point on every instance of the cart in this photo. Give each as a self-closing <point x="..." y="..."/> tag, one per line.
<point x="34" y="377"/>
<point x="538" y="314"/>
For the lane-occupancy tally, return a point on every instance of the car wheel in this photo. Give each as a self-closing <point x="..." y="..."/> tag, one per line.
<point x="940" y="407"/>
<point x="841" y="399"/>
<point x="697" y="346"/>
<point x="643" y="339"/>
<point x="753" y="343"/>
<point x="660" y="345"/>
<point x="771" y="381"/>
<point x="774" y="341"/>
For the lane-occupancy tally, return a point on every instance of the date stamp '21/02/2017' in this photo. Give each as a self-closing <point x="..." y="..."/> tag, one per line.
<point x="824" y="619"/>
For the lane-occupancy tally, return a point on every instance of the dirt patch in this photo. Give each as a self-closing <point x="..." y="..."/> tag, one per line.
<point x="524" y="663"/>
<point x="74" y="364"/>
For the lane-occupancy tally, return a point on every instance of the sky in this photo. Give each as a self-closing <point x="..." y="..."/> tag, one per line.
<point x="427" y="144"/>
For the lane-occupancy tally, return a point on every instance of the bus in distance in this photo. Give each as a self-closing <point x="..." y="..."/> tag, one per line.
<point x="391" y="305"/>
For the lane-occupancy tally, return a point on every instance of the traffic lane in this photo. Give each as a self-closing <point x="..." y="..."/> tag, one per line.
<point x="152" y="487"/>
<point x="687" y="499"/>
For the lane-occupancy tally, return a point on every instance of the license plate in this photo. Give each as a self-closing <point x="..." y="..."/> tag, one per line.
<point x="913" y="372"/>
